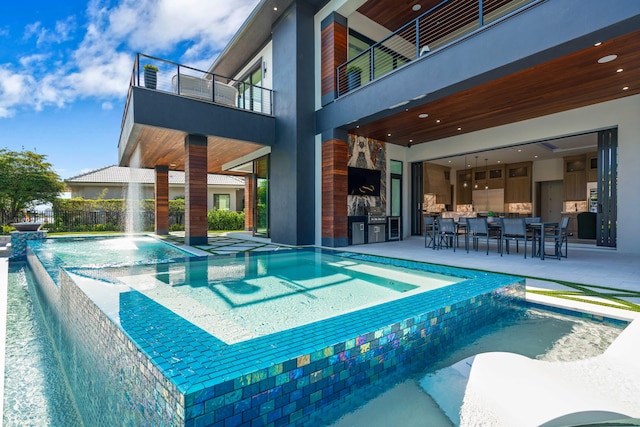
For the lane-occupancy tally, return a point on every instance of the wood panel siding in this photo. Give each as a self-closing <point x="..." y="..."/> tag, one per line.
<point x="162" y="200"/>
<point x="196" y="224"/>
<point x="333" y="41"/>
<point x="334" y="190"/>
<point x="248" y="202"/>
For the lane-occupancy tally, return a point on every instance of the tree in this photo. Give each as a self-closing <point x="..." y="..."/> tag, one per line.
<point x="26" y="179"/>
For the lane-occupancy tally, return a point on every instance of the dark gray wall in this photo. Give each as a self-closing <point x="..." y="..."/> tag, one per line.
<point x="293" y="154"/>
<point x="166" y="110"/>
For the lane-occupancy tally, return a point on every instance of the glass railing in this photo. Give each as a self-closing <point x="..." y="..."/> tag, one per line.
<point x="441" y="25"/>
<point x="166" y="76"/>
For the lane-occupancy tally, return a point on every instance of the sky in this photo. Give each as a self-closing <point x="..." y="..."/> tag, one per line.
<point x="65" y="67"/>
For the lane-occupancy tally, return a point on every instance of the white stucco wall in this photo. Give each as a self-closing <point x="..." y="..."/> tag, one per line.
<point x="623" y="114"/>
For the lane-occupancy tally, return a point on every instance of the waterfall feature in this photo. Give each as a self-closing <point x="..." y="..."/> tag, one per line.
<point x="133" y="214"/>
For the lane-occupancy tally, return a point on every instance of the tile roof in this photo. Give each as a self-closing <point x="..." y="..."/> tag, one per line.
<point x="123" y="175"/>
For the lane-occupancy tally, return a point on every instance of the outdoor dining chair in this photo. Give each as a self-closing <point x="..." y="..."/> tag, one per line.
<point x="478" y="228"/>
<point x="429" y="232"/>
<point x="515" y="229"/>
<point x="447" y="233"/>
<point x="560" y="237"/>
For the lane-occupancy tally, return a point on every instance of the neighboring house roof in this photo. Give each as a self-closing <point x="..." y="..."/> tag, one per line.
<point x="123" y="175"/>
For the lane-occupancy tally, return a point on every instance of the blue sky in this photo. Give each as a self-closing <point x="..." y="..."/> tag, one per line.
<point x="65" y="67"/>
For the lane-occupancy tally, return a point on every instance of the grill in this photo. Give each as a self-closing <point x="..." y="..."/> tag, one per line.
<point x="376" y="215"/>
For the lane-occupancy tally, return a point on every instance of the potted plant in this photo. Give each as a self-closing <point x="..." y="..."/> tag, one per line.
<point x="354" y="78"/>
<point x="490" y="216"/>
<point x="150" y="76"/>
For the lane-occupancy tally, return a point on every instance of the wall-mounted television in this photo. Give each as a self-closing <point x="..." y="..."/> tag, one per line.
<point x="363" y="182"/>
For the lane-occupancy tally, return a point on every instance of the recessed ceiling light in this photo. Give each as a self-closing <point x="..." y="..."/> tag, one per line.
<point x="357" y="126"/>
<point x="388" y="134"/>
<point x="519" y="150"/>
<point x="607" y="58"/>
<point x="416" y="7"/>
<point x="459" y="128"/>
<point x="449" y="161"/>
<point x="275" y="8"/>
<point x="597" y="44"/>
<point x="499" y="161"/>
<point x="619" y="70"/>
<point x="625" y="88"/>
<point x="438" y="121"/>
<point x="535" y="157"/>
<point x="423" y="115"/>
<point x="411" y="140"/>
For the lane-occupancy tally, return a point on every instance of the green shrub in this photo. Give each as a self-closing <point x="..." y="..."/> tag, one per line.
<point x="225" y="220"/>
<point x="176" y="227"/>
<point x="6" y="229"/>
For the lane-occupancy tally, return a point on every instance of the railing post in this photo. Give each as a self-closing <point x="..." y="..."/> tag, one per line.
<point x="178" y="80"/>
<point x="371" y="65"/>
<point x="480" y="17"/>
<point x="137" y="73"/>
<point x="418" y="37"/>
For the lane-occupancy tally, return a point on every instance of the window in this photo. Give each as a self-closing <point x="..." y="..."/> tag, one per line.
<point x="250" y="95"/>
<point x="222" y="201"/>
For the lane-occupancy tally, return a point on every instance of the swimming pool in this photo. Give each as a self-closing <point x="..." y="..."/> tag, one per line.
<point x="149" y="365"/>
<point x="35" y="390"/>
<point x="100" y="252"/>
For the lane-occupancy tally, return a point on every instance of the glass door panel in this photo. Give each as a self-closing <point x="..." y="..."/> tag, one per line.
<point x="261" y="198"/>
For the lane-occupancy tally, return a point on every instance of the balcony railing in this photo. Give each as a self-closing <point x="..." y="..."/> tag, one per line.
<point x="166" y="76"/>
<point x="439" y="26"/>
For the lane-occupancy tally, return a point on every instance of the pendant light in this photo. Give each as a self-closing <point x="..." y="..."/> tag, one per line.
<point x="486" y="174"/>
<point x="464" y="184"/>
<point x="475" y="185"/>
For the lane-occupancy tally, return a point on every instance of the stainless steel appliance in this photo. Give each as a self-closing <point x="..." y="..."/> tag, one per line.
<point x="377" y="224"/>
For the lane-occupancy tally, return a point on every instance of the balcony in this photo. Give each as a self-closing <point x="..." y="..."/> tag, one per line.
<point x="438" y="27"/>
<point x="167" y="101"/>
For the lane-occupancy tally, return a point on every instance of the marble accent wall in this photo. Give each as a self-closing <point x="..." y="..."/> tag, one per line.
<point x="367" y="153"/>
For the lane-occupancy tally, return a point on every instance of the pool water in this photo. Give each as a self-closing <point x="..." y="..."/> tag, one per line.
<point x="35" y="392"/>
<point x="535" y="333"/>
<point x="244" y="297"/>
<point x="100" y="252"/>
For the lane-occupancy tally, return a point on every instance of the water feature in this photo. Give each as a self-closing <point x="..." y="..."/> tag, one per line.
<point x="134" y="195"/>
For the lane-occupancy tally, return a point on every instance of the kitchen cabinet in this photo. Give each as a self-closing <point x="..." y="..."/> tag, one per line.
<point x="518" y="183"/>
<point x="437" y="180"/>
<point x="575" y="178"/>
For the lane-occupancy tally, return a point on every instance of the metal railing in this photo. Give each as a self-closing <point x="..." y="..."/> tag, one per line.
<point x="167" y="76"/>
<point x="441" y="25"/>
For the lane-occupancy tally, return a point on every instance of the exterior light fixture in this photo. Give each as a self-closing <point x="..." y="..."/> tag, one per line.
<point x="423" y="115"/>
<point x="619" y="70"/>
<point x="416" y="7"/>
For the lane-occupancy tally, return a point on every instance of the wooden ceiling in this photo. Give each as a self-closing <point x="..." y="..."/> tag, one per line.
<point x="573" y="81"/>
<point x="166" y="147"/>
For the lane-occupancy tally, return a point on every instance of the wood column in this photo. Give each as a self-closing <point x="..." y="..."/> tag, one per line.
<point x="162" y="200"/>
<point x="248" y="202"/>
<point x="333" y="41"/>
<point x="195" y="168"/>
<point x="335" y="231"/>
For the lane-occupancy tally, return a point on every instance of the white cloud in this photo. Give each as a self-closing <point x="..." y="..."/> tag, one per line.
<point x="107" y="106"/>
<point x="100" y="65"/>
